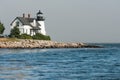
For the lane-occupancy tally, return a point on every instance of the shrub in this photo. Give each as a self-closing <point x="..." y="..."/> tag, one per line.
<point x="41" y="37"/>
<point x="25" y="36"/>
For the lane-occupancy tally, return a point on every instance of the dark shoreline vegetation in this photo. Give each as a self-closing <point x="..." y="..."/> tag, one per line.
<point x="14" y="43"/>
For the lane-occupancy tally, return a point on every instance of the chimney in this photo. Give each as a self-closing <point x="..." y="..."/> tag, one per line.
<point x="28" y="15"/>
<point x="23" y="15"/>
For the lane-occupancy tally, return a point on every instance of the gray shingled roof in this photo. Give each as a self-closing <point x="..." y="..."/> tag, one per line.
<point x="27" y="21"/>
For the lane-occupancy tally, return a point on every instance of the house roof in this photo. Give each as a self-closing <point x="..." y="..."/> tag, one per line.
<point x="27" y="21"/>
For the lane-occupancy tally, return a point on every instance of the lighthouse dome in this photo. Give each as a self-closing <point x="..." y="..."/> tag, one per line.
<point x="40" y="16"/>
<point x="39" y="12"/>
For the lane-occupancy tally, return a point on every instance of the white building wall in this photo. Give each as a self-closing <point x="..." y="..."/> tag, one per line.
<point x="33" y="23"/>
<point x="24" y="29"/>
<point x="42" y="31"/>
<point x="14" y="23"/>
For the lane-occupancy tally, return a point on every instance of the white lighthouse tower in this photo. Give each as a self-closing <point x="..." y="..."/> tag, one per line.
<point x="40" y="20"/>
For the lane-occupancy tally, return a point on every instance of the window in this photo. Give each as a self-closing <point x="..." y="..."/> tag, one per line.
<point x="17" y="24"/>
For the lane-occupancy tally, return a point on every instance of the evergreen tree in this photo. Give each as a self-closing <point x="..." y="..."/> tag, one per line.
<point x="15" y="32"/>
<point x="2" y="28"/>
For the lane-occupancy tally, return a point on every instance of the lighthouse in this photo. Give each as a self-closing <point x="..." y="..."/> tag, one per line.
<point x="29" y="25"/>
<point x="41" y="20"/>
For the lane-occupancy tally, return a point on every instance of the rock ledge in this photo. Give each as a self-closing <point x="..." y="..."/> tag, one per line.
<point x="26" y="43"/>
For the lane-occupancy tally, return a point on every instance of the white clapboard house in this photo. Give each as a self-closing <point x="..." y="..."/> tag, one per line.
<point x="30" y="26"/>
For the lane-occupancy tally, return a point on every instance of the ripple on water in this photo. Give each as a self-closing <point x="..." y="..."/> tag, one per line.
<point x="60" y="64"/>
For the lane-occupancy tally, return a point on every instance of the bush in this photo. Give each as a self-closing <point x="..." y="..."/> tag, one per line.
<point x="39" y="36"/>
<point x="25" y="36"/>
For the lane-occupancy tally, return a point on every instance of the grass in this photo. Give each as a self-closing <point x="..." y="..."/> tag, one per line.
<point x="8" y="39"/>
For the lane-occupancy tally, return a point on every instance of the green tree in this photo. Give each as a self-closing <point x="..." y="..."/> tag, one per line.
<point x="15" y="32"/>
<point x="2" y="28"/>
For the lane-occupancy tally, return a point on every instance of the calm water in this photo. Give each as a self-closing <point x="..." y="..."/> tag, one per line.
<point x="61" y="64"/>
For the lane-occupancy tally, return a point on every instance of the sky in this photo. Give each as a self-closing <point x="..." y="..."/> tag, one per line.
<point x="69" y="20"/>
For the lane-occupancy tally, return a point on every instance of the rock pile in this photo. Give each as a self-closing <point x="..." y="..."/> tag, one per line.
<point x="26" y="43"/>
<point x="37" y="44"/>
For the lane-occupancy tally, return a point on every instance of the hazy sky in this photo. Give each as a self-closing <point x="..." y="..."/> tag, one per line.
<point x="70" y="20"/>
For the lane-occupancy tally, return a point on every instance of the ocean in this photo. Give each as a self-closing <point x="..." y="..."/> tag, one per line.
<point x="61" y="64"/>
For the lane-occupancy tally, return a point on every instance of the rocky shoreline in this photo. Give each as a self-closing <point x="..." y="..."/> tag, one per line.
<point x="26" y="43"/>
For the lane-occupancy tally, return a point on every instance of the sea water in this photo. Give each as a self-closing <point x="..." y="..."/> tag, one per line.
<point x="61" y="64"/>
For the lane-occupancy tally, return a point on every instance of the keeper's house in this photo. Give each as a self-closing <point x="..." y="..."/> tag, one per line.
<point x="30" y="26"/>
